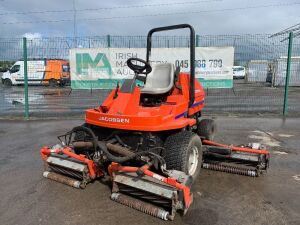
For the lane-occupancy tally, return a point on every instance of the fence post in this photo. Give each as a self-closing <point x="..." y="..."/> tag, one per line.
<point x="197" y="40"/>
<point x="108" y="40"/>
<point x="288" y="73"/>
<point x="26" y="107"/>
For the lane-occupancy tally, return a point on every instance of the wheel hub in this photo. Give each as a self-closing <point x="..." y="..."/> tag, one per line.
<point x="193" y="161"/>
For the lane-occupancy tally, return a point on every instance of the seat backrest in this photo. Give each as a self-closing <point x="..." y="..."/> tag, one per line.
<point x="160" y="80"/>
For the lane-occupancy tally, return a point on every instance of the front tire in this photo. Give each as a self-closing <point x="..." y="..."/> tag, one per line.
<point x="52" y="83"/>
<point x="183" y="152"/>
<point x="7" y="83"/>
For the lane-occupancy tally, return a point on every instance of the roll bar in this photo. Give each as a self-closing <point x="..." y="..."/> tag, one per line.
<point x="192" y="53"/>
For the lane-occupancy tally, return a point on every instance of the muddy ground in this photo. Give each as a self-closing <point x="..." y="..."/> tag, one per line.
<point x="219" y="198"/>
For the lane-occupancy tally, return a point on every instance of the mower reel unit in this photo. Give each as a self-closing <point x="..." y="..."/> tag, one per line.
<point x="148" y="140"/>
<point x="250" y="160"/>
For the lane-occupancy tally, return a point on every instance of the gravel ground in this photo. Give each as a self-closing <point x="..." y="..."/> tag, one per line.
<point x="219" y="198"/>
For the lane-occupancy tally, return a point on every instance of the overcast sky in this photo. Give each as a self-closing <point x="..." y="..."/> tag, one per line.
<point x="207" y="16"/>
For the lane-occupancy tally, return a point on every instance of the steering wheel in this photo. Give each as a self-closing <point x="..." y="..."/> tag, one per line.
<point x="145" y="68"/>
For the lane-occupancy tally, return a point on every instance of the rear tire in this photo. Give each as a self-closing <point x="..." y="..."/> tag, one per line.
<point x="183" y="152"/>
<point x="52" y="83"/>
<point x="206" y="129"/>
<point x="62" y="83"/>
<point x="7" y="83"/>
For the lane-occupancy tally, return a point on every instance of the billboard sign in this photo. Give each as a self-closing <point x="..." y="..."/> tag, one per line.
<point x="104" y="67"/>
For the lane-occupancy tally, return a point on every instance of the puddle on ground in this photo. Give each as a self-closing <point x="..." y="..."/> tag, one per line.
<point x="199" y="193"/>
<point x="265" y="138"/>
<point x="297" y="177"/>
<point x="280" y="153"/>
<point x="285" y="135"/>
<point x="51" y="94"/>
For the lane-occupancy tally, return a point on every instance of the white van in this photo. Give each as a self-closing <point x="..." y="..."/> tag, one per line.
<point x="239" y="72"/>
<point x="45" y="71"/>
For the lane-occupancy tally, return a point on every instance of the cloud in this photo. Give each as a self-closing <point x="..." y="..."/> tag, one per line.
<point x="252" y="20"/>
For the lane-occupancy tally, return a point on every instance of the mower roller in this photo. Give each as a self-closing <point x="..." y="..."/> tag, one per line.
<point x="148" y="139"/>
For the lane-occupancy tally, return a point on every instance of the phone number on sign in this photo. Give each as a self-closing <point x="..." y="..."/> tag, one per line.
<point x="211" y="63"/>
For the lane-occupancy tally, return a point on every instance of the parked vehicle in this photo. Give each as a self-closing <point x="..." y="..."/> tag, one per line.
<point x="269" y="76"/>
<point x="239" y="72"/>
<point x="50" y="72"/>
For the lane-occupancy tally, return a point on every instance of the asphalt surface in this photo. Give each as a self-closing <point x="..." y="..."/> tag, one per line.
<point x="243" y="98"/>
<point x="219" y="198"/>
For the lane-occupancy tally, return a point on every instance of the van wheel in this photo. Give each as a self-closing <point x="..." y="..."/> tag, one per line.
<point x="7" y="82"/>
<point x="62" y="83"/>
<point x="52" y="83"/>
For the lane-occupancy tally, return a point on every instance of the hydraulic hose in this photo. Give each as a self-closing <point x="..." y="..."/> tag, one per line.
<point x="89" y="131"/>
<point x="103" y="147"/>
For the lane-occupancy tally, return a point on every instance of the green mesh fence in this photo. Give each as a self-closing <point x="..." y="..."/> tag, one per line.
<point x="261" y="91"/>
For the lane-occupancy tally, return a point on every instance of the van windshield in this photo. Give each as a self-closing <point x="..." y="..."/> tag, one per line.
<point x="238" y="69"/>
<point x="14" y="69"/>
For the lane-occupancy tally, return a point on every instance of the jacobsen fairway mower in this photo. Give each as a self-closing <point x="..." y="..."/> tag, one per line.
<point x="149" y="140"/>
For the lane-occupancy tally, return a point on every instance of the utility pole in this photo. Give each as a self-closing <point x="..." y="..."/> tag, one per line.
<point x="75" y="24"/>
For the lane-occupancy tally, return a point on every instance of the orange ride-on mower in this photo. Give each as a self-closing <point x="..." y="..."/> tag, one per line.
<point x="147" y="139"/>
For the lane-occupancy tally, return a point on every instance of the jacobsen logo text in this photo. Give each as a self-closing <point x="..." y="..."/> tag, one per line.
<point x="114" y="120"/>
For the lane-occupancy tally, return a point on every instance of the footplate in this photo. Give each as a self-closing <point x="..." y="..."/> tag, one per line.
<point x="251" y="160"/>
